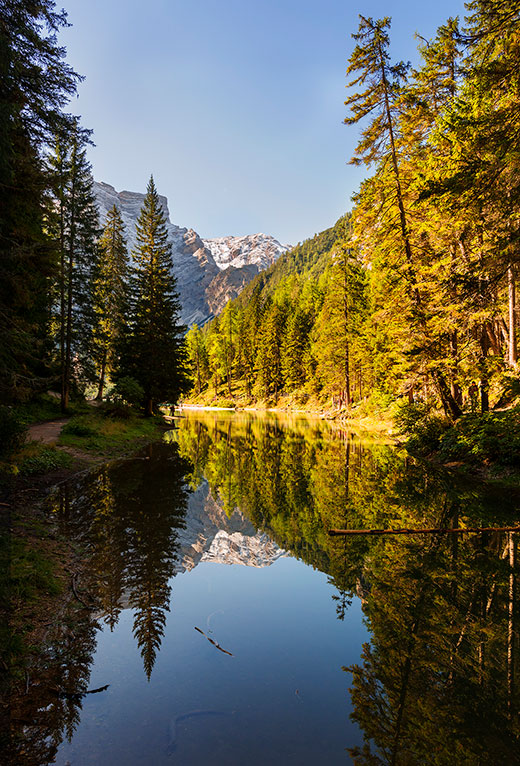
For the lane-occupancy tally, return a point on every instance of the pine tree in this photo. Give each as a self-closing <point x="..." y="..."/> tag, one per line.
<point x="295" y="347"/>
<point x="227" y="326"/>
<point x="74" y="223"/>
<point x="35" y="85"/>
<point x="153" y="350"/>
<point x="269" y="360"/>
<point x="338" y="326"/>
<point x="248" y="344"/>
<point x="110" y="294"/>
<point x="382" y="99"/>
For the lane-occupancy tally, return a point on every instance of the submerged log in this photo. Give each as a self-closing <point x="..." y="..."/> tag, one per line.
<point x="409" y="531"/>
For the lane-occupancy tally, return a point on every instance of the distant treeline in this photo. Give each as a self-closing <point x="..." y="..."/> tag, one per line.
<point x="415" y="294"/>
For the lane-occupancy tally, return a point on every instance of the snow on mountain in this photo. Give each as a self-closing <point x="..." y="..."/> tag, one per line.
<point x="255" y="249"/>
<point x="209" y="272"/>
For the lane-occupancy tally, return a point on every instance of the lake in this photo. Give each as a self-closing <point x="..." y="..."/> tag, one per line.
<point x="227" y="627"/>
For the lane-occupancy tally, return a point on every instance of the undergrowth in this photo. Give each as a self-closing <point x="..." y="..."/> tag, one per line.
<point x="487" y="438"/>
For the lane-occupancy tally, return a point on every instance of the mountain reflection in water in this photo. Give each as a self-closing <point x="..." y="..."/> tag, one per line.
<point x="436" y="682"/>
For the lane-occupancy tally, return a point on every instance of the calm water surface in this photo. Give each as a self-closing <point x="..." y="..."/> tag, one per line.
<point x="388" y="650"/>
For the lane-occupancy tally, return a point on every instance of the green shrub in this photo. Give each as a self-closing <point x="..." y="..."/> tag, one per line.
<point x="491" y="437"/>
<point x="377" y="404"/>
<point x="128" y="391"/>
<point x="12" y="431"/>
<point x="77" y="427"/>
<point x="228" y="403"/>
<point x="408" y="415"/>
<point x="423" y="426"/>
<point x="48" y="459"/>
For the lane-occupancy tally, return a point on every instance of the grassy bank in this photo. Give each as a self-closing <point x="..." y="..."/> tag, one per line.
<point x="99" y="435"/>
<point x="90" y="435"/>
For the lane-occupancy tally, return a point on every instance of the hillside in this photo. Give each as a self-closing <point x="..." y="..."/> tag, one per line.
<point x="281" y="336"/>
<point x="308" y="259"/>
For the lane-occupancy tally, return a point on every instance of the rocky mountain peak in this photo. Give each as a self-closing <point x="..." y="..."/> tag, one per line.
<point x="209" y="272"/>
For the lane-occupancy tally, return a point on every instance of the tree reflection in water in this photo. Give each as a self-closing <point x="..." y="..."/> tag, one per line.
<point x="126" y="519"/>
<point x="436" y="684"/>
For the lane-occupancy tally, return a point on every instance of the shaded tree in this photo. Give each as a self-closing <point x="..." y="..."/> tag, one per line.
<point x="153" y="349"/>
<point x="110" y="295"/>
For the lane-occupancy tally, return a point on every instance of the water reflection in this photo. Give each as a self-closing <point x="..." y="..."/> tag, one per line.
<point x="438" y="676"/>
<point x="436" y="683"/>
<point x="128" y="518"/>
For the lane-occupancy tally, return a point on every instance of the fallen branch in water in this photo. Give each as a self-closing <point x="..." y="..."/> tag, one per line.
<point x="408" y="531"/>
<point x="214" y="642"/>
<point x="79" y="695"/>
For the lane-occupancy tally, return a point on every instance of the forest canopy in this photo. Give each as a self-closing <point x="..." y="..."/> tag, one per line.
<point x="413" y="294"/>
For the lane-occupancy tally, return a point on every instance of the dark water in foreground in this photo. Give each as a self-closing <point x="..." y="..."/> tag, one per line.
<point x="388" y="650"/>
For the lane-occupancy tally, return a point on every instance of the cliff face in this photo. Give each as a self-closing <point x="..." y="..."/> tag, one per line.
<point x="209" y="272"/>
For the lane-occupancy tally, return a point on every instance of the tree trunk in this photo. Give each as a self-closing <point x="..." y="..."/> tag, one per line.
<point x="101" y="386"/>
<point x="449" y="403"/>
<point x="148" y="408"/>
<point x="454" y="350"/>
<point x="512" y="318"/>
<point x="198" y="373"/>
<point x="62" y="305"/>
<point x="68" y="330"/>
<point x="346" y="358"/>
<point x="484" y="383"/>
<point x="347" y="373"/>
<point x="511" y="624"/>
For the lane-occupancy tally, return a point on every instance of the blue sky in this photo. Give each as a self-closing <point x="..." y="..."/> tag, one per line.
<point x="236" y="106"/>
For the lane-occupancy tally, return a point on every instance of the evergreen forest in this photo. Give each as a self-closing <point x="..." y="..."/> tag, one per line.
<point x="409" y="299"/>
<point x="412" y="295"/>
<point x="405" y="310"/>
<point x="77" y="310"/>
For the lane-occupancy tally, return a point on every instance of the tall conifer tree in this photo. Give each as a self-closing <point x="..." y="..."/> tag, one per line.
<point x="197" y="355"/>
<point x="153" y="348"/>
<point x="35" y="84"/>
<point x="381" y="98"/>
<point x="110" y="294"/>
<point x="74" y="222"/>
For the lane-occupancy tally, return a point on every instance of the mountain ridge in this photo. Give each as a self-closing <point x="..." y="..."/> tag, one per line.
<point x="209" y="272"/>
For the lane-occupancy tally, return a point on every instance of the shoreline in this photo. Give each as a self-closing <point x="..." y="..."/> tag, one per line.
<point x="365" y="423"/>
<point x="38" y="554"/>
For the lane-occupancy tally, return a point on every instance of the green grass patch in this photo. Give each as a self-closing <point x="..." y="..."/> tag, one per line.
<point x="39" y="458"/>
<point x="102" y="435"/>
<point x="45" y="407"/>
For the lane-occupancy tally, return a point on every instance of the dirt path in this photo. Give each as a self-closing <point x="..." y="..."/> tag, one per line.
<point x="46" y="432"/>
<point x="49" y="433"/>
